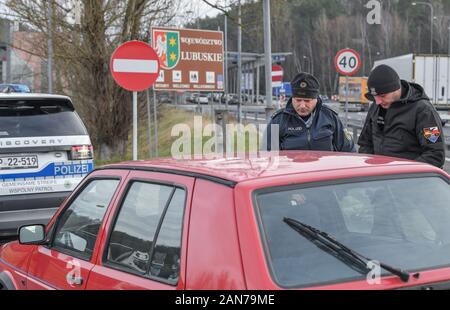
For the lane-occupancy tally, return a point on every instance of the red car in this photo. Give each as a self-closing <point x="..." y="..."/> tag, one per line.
<point x="298" y="220"/>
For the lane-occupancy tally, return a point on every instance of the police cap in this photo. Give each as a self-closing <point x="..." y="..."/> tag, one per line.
<point x="304" y="85"/>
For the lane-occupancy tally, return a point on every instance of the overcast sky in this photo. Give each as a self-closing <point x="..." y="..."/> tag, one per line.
<point x="206" y="10"/>
<point x="197" y="8"/>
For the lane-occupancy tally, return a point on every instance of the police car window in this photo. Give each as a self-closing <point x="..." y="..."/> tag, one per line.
<point x="401" y="222"/>
<point x="78" y="226"/>
<point x="32" y="119"/>
<point x="134" y="231"/>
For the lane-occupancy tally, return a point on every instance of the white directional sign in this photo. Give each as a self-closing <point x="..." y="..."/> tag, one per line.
<point x="347" y="62"/>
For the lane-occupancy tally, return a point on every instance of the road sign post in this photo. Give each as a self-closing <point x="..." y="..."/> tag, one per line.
<point x="346" y="101"/>
<point x="135" y="67"/>
<point x="347" y="62"/>
<point x="135" y="124"/>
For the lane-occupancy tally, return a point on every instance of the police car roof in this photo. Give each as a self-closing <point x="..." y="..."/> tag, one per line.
<point x="31" y="96"/>
<point x="65" y="100"/>
<point x="303" y="165"/>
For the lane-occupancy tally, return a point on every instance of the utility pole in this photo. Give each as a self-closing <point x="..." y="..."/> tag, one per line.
<point x="9" y="29"/>
<point x="239" y="81"/>
<point x="268" y="55"/>
<point x="225" y="74"/>
<point x="50" y="48"/>
<point x="448" y="38"/>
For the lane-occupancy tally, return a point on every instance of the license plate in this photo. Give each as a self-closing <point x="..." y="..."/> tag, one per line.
<point x="19" y="162"/>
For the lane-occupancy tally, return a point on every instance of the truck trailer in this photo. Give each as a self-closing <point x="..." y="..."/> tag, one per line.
<point x="432" y="72"/>
<point x="357" y="88"/>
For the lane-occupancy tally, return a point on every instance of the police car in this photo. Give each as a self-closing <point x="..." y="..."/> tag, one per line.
<point x="45" y="151"/>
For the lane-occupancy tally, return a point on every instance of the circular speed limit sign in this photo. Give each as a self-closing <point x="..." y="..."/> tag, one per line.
<point x="347" y="62"/>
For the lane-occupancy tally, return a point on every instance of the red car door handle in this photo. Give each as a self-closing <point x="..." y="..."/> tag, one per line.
<point x="74" y="280"/>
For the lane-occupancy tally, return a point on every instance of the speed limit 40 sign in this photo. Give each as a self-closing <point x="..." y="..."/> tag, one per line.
<point x="347" y="62"/>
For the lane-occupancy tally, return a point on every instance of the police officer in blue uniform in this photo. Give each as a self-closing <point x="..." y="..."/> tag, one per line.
<point x="306" y="124"/>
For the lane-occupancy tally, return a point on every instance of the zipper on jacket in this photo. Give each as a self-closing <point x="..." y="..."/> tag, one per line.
<point x="309" y="138"/>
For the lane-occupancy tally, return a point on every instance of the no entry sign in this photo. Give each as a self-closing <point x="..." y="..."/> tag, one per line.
<point x="135" y="66"/>
<point x="277" y="76"/>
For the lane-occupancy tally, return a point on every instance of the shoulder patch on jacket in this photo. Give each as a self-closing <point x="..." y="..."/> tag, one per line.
<point x="432" y="134"/>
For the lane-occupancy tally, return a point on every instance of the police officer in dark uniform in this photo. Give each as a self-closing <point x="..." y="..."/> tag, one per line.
<point x="306" y="124"/>
<point x="402" y="122"/>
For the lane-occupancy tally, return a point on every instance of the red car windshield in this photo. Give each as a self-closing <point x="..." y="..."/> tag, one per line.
<point x="399" y="222"/>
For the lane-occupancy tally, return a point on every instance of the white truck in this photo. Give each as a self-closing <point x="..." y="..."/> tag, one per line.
<point x="432" y="72"/>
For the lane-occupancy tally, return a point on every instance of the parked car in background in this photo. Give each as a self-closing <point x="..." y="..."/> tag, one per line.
<point x="202" y="98"/>
<point x="259" y="99"/>
<point x="233" y="99"/>
<point x="14" y="88"/>
<point x="224" y="97"/>
<point x="216" y="97"/>
<point x="294" y="220"/>
<point x="165" y="98"/>
<point x="45" y="151"/>
<point x="193" y="97"/>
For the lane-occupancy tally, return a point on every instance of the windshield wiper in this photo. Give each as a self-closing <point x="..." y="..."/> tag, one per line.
<point x="335" y="248"/>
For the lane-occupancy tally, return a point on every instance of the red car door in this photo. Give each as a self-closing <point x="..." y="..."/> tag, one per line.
<point x="145" y="243"/>
<point x="68" y="259"/>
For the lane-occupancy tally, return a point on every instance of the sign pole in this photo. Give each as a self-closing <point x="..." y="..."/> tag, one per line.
<point x="135" y="124"/>
<point x="225" y="73"/>
<point x="155" y="121"/>
<point x="268" y="56"/>
<point x="149" y="124"/>
<point x="239" y="75"/>
<point x="346" y="101"/>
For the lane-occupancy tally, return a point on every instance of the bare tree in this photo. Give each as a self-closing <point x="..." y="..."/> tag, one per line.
<point x="82" y="51"/>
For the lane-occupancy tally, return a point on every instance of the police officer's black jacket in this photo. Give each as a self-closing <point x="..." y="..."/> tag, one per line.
<point x="412" y="129"/>
<point x="325" y="134"/>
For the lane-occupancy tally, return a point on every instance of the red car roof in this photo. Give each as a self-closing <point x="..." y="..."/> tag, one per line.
<point x="243" y="168"/>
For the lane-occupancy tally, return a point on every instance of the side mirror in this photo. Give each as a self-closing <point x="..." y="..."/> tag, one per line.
<point x="34" y="234"/>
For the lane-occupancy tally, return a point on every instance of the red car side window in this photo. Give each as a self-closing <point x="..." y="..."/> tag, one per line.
<point x="142" y="242"/>
<point x="79" y="224"/>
